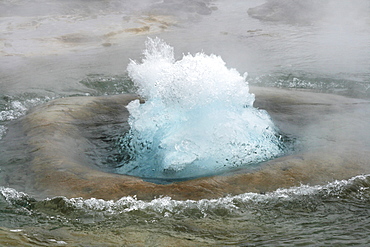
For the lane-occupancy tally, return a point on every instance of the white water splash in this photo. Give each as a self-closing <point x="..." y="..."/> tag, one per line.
<point x="198" y="118"/>
<point x="3" y="130"/>
<point x="165" y="206"/>
<point x="18" y="108"/>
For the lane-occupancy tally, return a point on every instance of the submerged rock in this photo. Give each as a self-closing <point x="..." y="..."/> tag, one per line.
<point x="60" y="143"/>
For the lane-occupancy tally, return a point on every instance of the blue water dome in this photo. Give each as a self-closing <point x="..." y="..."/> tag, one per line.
<point x="198" y="118"/>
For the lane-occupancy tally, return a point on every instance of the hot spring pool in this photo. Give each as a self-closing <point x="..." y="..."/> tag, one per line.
<point x="69" y="121"/>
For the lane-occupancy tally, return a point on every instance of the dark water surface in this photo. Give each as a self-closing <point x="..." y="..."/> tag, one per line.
<point x="51" y="49"/>
<point x="334" y="214"/>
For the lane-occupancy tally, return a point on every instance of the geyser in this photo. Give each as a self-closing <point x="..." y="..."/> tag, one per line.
<point x="198" y="118"/>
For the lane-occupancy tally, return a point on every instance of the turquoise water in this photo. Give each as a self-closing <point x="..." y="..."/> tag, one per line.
<point x="202" y="119"/>
<point x="65" y="49"/>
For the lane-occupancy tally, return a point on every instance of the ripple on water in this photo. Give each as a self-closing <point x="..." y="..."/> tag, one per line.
<point x="323" y="214"/>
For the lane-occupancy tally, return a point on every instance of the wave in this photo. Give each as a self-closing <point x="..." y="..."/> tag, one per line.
<point x="354" y="189"/>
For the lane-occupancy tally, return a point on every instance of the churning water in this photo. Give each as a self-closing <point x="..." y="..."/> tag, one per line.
<point x="198" y="118"/>
<point x="51" y="49"/>
<point x="334" y="214"/>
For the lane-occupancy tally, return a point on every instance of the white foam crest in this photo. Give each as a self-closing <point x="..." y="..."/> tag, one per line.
<point x="192" y="81"/>
<point x="3" y="130"/>
<point x="168" y="207"/>
<point x="92" y="204"/>
<point x="198" y="117"/>
<point x="164" y="206"/>
<point x="18" y="108"/>
<point x="18" y="199"/>
<point x="332" y="189"/>
<point x="11" y="194"/>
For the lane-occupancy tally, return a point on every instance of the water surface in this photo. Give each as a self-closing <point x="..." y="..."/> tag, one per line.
<point x="51" y="49"/>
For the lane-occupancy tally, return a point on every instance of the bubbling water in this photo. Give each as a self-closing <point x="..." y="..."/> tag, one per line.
<point x="198" y="118"/>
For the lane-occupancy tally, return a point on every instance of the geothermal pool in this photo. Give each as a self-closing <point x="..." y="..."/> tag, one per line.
<point x="76" y="93"/>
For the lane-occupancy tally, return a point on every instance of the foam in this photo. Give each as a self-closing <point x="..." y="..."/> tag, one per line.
<point x="198" y="118"/>
<point x="355" y="187"/>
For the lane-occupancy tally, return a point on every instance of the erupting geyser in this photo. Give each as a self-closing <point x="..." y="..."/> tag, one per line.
<point x="198" y="118"/>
